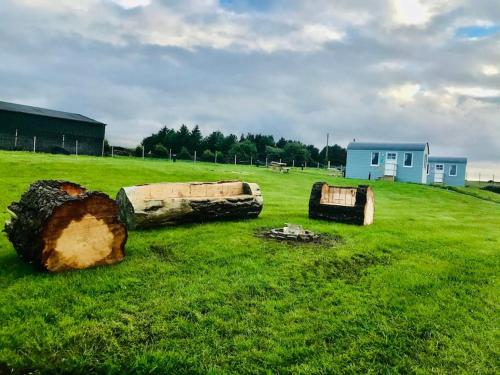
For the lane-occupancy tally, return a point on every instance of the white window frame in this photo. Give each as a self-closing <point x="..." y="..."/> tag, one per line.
<point x="391" y="152"/>
<point x="404" y="160"/>
<point x="436" y="165"/>
<point x="378" y="159"/>
<point x="456" y="170"/>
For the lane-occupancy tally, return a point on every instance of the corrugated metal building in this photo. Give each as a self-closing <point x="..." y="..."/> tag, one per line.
<point x="24" y="127"/>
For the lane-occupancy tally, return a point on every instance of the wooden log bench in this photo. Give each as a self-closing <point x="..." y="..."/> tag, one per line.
<point x="350" y="205"/>
<point x="59" y="225"/>
<point x="163" y="204"/>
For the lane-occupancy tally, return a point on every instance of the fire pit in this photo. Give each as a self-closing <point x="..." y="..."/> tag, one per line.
<point x="291" y="232"/>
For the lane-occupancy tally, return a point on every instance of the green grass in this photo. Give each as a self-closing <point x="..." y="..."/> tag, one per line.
<point x="476" y="192"/>
<point x="416" y="292"/>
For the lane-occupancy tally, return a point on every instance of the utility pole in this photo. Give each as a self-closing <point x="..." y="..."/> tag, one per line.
<point x="102" y="144"/>
<point x="234" y="159"/>
<point x="34" y="144"/>
<point x="112" y="151"/>
<point x="195" y="156"/>
<point x="327" y="141"/>
<point x="15" y="141"/>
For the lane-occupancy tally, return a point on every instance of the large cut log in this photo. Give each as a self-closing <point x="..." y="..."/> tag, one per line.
<point x="348" y="205"/>
<point x="156" y="205"/>
<point x="59" y="225"/>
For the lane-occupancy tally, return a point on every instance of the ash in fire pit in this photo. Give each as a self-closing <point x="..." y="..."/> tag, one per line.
<point x="291" y="232"/>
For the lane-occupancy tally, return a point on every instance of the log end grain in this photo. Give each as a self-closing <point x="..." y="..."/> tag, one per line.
<point x="59" y="226"/>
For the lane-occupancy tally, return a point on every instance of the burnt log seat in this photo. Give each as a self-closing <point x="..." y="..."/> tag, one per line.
<point x="350" y="205"/>
<point x="59" y="226"/>
<point x="163" y="204"/>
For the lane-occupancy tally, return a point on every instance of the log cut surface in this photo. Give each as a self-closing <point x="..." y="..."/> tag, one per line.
<point x="59" y="225"/>
<point x="163" y="204"/>
<point x="350" y="205"/>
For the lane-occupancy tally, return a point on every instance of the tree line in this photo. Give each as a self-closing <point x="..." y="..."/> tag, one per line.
<point x="256" y="148"/>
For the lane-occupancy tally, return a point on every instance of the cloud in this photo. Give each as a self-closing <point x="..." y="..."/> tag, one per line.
<point x="402" y="94"/>
<point x="490" y="70"/>
<point x="379" y="70"/>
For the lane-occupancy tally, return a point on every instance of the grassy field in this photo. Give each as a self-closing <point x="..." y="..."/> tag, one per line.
<point x="416" y="292"/>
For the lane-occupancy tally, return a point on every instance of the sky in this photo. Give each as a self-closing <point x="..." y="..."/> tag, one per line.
<point x="380" y="70"/>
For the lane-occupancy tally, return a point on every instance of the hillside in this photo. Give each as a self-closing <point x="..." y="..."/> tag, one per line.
<point x="415" y="292"/>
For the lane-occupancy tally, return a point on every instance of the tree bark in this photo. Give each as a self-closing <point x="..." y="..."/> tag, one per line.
<point x="348" y="205"/>
<point x="157" y="205"/>
<point x="59" y="225"/>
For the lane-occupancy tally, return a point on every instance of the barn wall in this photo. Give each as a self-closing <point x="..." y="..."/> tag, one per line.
<point x="49" y="132"/>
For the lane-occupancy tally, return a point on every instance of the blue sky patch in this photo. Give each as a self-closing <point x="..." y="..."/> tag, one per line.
<point x="477" y="31"/>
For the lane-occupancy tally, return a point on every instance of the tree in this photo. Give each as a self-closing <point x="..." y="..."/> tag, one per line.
<point x="261" y="142"/>
<point x="183" y="137"/>
<point x="337" y="155"/>
<point x="228" y="142"/>
<point x="185" y="142"/>
<point x="160" y="151"/>
<point x="274" y="153"/>
<point x="184" y="154"/>
<point x="207" y="155"/>
<point x="296" y="151"/>
<point x="243" y="150"/>
<point x="214" y="141"/>
<point x="138" y="151"/>
<point x="281" y="143"/>
<point x="195" y="139"/>
<point x="314" y="152"/>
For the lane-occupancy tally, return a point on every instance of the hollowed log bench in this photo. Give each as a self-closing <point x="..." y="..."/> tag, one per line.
<point x="59" y="226"/>
<point x="350" y="205"/>
<point x="163" y="204"/>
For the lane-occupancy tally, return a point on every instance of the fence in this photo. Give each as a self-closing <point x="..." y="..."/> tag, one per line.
<point x="482" y="179"/>
<point x="62" y="145"/>
<point x="85" y="146"/>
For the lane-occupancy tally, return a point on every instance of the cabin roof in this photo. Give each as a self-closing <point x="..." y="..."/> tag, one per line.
<point x="447" y="159"/>
<point x="387" y="146"/>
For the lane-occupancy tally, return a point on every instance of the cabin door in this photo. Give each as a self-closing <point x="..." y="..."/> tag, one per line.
<point x="391" y="163"/>
<point x="438" y="173"/>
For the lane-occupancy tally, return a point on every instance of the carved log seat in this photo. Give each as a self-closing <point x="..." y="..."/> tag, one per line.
<point x="163" y="204"/>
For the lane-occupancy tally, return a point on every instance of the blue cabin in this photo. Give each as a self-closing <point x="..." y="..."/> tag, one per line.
<point x="393" y="161"/>
<point x="447" y="170"/>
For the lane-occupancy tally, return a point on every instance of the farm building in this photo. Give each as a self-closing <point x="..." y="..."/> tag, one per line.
<point x="447" y="170"/>
<point x="393" y="161"/>
<point x="29" y="128"/>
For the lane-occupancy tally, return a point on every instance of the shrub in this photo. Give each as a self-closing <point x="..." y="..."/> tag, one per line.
<point x="160" y="151"/>
<point x="184" y="154"/>
<point x="207" y="155"/>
